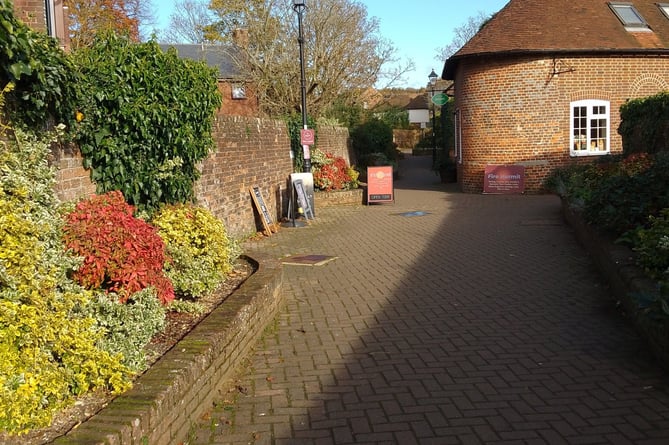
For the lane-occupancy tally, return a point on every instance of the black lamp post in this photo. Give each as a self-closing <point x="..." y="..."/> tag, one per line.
<point x="433" y="81"/>
<point x="299" y="6"/>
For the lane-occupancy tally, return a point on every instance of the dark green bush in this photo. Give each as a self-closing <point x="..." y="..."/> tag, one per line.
<point x="626" y="195"/>
<point x="373" y="144"/>
<point x="146" y="119"/>
<point x="644" y="124"/>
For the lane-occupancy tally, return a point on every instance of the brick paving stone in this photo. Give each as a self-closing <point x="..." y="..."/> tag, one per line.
<point x="481" y="322"/>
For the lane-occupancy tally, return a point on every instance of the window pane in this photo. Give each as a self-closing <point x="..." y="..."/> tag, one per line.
<point x="628" y="15"/>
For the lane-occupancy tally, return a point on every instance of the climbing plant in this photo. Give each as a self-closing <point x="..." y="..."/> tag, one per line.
<point x="144" y="119"/>
<point x="42" y="75"/>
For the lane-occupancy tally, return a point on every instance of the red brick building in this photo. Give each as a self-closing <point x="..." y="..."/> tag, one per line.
<point x="541" y="84"/>
<point x="44" y="15"/>
<point x="238" y="95"/>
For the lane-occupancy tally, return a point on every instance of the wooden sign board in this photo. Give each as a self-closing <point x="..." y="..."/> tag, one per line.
<point x="265" y="217"/>
<point x="504" y="179"/>
<point x="380" y="184"/>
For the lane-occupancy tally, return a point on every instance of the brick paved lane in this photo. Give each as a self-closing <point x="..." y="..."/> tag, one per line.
<point x="481" y="321"/>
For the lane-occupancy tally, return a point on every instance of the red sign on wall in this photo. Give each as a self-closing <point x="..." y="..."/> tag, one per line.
<point x="380" y="184"/>
<point x="504" y="179"/>
<point x="307" y="136"/>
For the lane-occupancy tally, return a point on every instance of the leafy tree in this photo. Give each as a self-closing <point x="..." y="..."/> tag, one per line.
<point x="188" y="22"/>
<point x="462" y="34"/>
<point x="90" y="17"/>
<point x="344" y="52"/>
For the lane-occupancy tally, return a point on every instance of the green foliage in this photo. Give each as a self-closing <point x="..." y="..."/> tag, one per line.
<point x="395" y="118"/>
<point x="652" y="244"/>
<point x="294" y="123"/>
<point x="348" y="115"/>
<point x="200" y="252"/>
<point x="41" y="72"/>
<point x="627" y="193"/>
<point x="644" y="124"/>
<point x="373" y="144"/>
<point x="146" y="119"/>
<point x="332" y="172"/>
<point x="120" y="253"/>
<point x="48" y="351"/>
<point x="186" y="307"/>
<point x="128" y="327"/>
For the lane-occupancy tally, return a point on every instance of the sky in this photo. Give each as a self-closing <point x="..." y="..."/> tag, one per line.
<point x="415" y="28"/>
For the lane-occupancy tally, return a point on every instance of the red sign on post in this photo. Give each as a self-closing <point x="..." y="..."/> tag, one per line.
<point x="504" y="179"/>
<point x="380" y="184"/>
<point x="307" y="136"/>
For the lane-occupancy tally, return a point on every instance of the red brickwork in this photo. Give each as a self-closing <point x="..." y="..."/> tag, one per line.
<point x="237" y="107"/>
<point x="31" y="12"/>
<point x="249" y="152"/>
<point x="335" y="140"/>
<point x="72" y="180"/>
<point x="517" y="111"/>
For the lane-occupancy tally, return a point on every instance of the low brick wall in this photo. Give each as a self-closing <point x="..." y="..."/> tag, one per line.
<point x="339" y="197"/>
<point x="176" y="390"/>
<point x="617" y="265"/>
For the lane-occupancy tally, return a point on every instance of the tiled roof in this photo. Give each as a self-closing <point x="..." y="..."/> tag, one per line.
<point x="419" y="102"/>
<point x="215" y="56"/>
<point x="574" y="26"/>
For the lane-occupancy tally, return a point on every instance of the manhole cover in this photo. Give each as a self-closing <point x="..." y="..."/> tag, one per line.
<point x="308" y="260"/>
<point x="412" y="214"/>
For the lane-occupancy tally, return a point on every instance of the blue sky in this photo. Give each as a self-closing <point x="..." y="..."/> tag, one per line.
<point x="416" y="28"/>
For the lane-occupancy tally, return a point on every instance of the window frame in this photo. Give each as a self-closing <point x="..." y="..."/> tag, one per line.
<point x="664" y="7"/>
<point x="617" y="7"/>
<point x="590" y="116"/>
<point x="238" y="91"/>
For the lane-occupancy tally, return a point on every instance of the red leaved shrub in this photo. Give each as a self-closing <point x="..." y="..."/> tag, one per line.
<point x="121" y="253"/>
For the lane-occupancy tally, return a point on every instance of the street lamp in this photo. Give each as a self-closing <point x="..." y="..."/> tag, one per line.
<point x="433" y="81"/>
<point x="299" y="6"/>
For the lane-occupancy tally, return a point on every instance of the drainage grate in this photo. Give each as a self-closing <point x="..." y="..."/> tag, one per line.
<point x="308" y="260"/>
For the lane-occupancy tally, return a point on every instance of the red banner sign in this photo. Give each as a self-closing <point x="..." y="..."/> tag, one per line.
<point x="504" y="179"/>
<point x="307" y="136"/>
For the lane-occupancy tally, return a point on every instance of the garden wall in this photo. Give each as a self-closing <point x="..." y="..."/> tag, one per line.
<point x="335" y="140"/>
<point x="249" y="152"/>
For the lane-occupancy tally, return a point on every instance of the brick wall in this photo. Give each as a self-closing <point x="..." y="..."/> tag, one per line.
<point x="32" y="13"/>
<point x="249" y="152"/>
<point x="72" y="180"/>
<point x="335" y="140"/>
<point x="237" y="107"/>
<point x="516" y="111"/>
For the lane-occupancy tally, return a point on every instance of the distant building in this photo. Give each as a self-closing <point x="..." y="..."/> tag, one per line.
<point x="541" y="84"/>
<point x="419" y="111"/>
<point x="47" y="15"/>
<point x="239" y="96"/>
